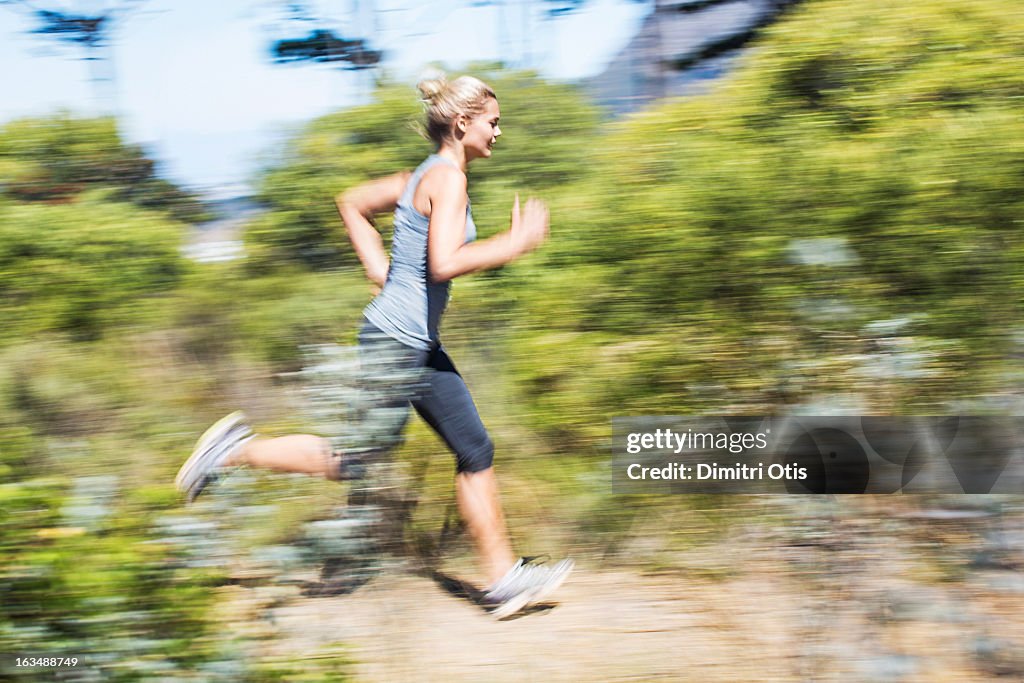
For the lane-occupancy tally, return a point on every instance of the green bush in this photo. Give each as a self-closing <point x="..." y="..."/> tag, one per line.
<point x="82" y="266"/>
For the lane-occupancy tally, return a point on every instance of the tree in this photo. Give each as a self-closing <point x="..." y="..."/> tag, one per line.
<point x="55" y="158"/>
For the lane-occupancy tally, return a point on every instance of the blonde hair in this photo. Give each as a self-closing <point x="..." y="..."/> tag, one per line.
<point x="445" y="100"/>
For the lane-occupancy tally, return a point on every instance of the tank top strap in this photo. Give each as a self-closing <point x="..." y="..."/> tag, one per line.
<point x="417" y="176"/>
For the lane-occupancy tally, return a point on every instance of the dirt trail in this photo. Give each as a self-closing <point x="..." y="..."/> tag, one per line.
<point x="913" y="597"/>
<point x="605" y="626"/>
<point x="621" y="626"/>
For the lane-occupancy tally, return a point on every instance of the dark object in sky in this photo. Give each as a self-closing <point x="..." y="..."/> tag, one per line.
<point x="681" y="46"/>
<point x="87" y="31"/>
<point x="323" y="46"/>
<point x="559" y="8"/>
<point x="773" y="11"/>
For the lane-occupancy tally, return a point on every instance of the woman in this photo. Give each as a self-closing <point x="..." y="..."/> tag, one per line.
<point x="433" y="242"/>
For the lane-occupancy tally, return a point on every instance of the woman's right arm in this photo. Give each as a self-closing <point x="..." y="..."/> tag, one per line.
<point x="357" y="208"/>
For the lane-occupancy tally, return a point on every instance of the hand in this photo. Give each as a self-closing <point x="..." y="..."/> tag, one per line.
<point x="530" y="226"/>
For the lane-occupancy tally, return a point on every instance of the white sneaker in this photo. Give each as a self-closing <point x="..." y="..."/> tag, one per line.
<point x="212" y="450"/>
<point x="527" y="582"/>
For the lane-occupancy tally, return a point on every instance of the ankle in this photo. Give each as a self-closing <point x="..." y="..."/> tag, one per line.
<point x="500" y="570"/>
<point x="346" y="466"/>
<point x="240" y="456"/>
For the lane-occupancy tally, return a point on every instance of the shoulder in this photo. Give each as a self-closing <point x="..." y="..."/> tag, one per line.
<point x="442" y="179"/>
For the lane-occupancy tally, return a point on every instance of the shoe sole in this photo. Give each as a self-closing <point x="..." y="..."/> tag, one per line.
<point x="186" y="478"/>
<point x="510" y="607"/>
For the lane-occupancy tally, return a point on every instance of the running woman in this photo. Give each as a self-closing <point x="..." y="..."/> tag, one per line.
<point x="434" y="241"/>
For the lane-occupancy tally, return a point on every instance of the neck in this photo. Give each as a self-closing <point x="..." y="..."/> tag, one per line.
<point x="454" y="151"/>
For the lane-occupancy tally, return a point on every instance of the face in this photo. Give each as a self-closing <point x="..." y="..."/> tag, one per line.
<point x="480" y="132"/>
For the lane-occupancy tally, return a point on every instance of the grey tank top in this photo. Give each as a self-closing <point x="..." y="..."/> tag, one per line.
<point x="409" y="307"/>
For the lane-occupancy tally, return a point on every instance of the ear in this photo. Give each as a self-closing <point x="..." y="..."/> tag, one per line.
<point x="462" y="123"/>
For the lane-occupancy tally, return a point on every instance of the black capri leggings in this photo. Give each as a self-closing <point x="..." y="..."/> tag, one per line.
<point x="396" y="376"/>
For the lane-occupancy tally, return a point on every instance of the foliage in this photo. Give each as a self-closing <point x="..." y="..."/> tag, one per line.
<point x="89" y="579"/>
<point x="55" y="158"/>
<point x="740" y="251"/>
<point x="269" y="319"/>
<point x="80" y="266"/>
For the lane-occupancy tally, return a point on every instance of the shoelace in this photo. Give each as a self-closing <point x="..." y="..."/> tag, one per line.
<point x="525" y="576"/>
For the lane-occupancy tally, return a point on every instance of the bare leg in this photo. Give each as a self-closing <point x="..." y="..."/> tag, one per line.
<point x="300" y="453"/>
<point x="476" y="492"/>
<point x="480" y="505"/>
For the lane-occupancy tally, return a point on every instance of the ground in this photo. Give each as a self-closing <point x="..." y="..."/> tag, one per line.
<point x="857" y="607"/>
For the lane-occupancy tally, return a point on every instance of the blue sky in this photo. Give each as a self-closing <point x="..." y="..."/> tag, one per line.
<point x="194" y="83"/>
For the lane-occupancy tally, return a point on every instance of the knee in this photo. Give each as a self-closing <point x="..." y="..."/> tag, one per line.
<point x="476" y="458"/>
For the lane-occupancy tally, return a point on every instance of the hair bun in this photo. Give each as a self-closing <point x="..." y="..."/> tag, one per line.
<point x="433" y="87"/>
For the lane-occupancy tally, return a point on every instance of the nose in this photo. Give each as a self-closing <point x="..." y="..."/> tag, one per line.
<point x="497" y="131"/>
